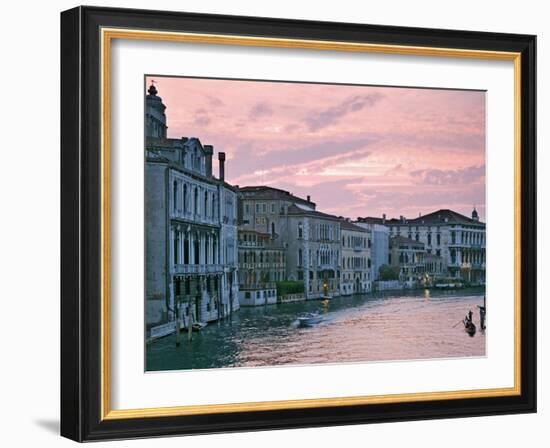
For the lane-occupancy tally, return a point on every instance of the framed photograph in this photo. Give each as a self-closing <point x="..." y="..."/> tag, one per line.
<point x="273" y="223"/>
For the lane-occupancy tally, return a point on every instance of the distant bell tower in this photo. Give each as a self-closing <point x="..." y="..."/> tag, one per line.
<point x="475" y="216"/>
<point x="155" y="119"/>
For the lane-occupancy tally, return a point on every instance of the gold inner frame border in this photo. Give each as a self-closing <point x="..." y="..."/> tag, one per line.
<point x="107" y="35"/>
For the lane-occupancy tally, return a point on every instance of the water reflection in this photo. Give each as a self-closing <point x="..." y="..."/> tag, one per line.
<point x="399" y="326"/>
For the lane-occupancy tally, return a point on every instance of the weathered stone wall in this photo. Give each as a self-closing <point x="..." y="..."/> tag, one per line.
<point x="155" y="243"/>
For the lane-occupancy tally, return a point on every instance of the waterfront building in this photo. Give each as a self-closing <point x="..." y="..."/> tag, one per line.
<point x="379" y="242"/>
<point x="356" y="264"/>
<point x="261" y="265"/>
<point x="433" y="269"/>
<point x="311" y="239"/>
<point x="457" y="239"/>
<point x="190" y="228"/>
<point x="408" y="256"/>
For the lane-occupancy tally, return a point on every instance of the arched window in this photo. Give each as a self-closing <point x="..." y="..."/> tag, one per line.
<point x="186" y="250"/>
<point x="176" y="247"/>
<point x="175" y="195"/>
<point x="185" y="197"/>
<point x="196" y="201"/>
<point x="205" y="203"/>
<point x="213" y="206"/>
<point x="215" y="251"/>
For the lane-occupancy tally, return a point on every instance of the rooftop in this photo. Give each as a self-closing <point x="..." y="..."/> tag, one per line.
<point x="347" y="225"/>
<point x="404" y="240"/>
<point x="271" y="193"/>
<point x="442" y="216"/>
<point x="372" y="220"/>
<point x="300" y="211"/>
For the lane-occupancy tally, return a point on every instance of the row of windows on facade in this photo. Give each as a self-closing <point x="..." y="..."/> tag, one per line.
<point x="261" y="257"/>
<point x="323" y="257"/>
<point x="434" y="266"/>
<point x="356" y="241"/>
<point x="359" y="275"/>
<point x="187" y="202"/>
<point x="262" y="208"/>
<point x="474" y="238"/>
<point x="191" y="159"/>
<point x="476" y="257"/>
<point x="410" y="258"/>
<point x="252" y="239"/>
<point x="434" y="228"/>
<point x="183" y="286"/>
<point x="324" y="232"/>
<point x="258" y="294"/>
<point x="356" y="262"/>
<point x="186" y="252"/>
<point x="253" y="278"/>
<point x="319" y="275"/>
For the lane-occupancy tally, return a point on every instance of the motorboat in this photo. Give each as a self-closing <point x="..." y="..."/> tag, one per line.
<point x="309" y="319"/>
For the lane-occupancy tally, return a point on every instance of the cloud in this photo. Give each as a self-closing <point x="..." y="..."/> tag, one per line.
<point x="326" y="117"/>
<point x="260" y="110"/>
<point x="466" y="176"/>
<point x="214" y="101"/>
<point x="252" y="158"/>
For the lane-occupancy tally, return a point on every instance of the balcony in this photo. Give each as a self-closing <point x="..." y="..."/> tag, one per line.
<point x="257" y="286"/>
<point x="198" y="269"/>
<point x="195" y="217"/>
<point x="324" y="267"/>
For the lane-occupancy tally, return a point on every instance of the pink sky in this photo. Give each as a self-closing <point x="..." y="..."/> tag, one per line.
<point x="357" y="150"/>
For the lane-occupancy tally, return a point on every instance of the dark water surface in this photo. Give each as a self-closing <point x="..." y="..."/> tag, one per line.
<point x="399" y="325"/>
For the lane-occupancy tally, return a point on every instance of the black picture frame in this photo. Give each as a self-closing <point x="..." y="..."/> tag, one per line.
<point x="81" y="224"/>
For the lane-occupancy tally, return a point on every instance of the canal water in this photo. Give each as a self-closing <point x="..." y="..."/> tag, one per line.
<point x="401" y="325"/>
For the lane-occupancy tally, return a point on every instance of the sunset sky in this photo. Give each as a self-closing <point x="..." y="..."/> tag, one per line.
<point x="357" y="150"/>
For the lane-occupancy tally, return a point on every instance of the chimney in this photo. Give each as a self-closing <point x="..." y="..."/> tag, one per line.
<point x="308" y="198"/>
<point x="208" y="151"/>
<point x="383" y="218"/>
<point x="221" y="158"/>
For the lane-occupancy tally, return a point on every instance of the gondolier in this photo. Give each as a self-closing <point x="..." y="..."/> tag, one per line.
<point x="482" y="313"/>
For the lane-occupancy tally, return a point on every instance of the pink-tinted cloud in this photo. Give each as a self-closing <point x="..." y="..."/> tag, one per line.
<point x="357" y="150"/>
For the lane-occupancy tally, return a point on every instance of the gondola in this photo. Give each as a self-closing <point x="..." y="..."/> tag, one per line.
<point x="469" y="327"/>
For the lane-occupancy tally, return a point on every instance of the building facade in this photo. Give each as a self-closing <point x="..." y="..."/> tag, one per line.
<point x="356" y="263"/>
<point x="190" y="228"/>
<point x="407" y="255"/>
<point x="261" y="265"/>
<point x="310" y="239"/>
<point x="457" y="239"/>
<point x="380" y="242"/>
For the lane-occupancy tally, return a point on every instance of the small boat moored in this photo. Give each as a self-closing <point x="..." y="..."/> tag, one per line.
<point x="198" y="326"/>
<point x="309" y="319"/>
